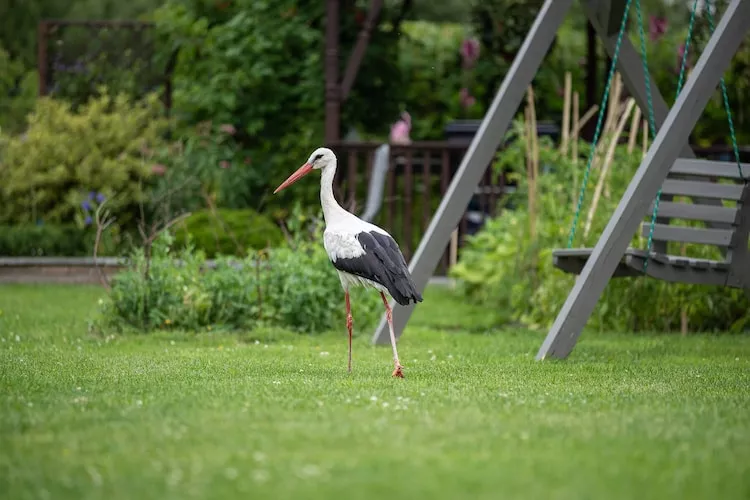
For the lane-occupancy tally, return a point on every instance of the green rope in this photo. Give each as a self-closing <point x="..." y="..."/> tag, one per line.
<point x="710" y="16"/>
<point x="652" y="123"/>
<point x="598" y="124"/>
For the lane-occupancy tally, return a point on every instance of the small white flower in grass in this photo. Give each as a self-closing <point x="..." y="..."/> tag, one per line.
<point x="450" y="356"/>
<point x="385" y="404"/>
<point x="101" y="302"/>
<point x="171" y="342"/>
<point x="324" y="353"/>
<point x="18" y="338"/>
<point x="373" y="398"/>
<point x="139" y="403"/>
<point x="433" y="358"/>
<point x="276" y="382"/>
<point x="310" y="470"/>
<point x="257" y="342"/>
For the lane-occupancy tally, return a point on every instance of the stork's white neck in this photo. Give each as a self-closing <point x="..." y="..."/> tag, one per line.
<point x="331" y="209"/>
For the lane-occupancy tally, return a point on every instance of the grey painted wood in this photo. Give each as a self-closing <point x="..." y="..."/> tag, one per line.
<point x="699" y="235"/>
<point x="740" y="272"/>
<point x="572" y="260"/>
<point x="631" y="69"/>
<point x="691" y="211"/>
<point x="609" y="13"/>
<point x="706" y="189"/>
<point x="642" y="189"/>
<point x="479" y="155"/>
<point x="708" y="168"/>
<point x="691" y="271"/>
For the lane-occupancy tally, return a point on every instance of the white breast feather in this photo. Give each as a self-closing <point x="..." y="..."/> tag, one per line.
<point x="340" y="245"/>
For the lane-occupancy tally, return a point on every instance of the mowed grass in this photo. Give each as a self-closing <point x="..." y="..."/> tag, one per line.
<point x="274" y="415"/>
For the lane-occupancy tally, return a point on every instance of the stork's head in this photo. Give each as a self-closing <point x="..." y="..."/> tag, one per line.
<point x="320" y="159"/>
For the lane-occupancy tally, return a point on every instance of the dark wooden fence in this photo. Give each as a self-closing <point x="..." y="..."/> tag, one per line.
<point x="416" y="181"/>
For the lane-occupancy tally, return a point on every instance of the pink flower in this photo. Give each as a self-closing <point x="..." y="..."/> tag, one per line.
<point x="228" y="128"/>
<point x="657" y="26"/>
<point x="465" y="98"/>
<point x="470" y="49"/>
<point x="158" y="169"/>
<point x="400" y="130"/>
<point x="224" y="164"/>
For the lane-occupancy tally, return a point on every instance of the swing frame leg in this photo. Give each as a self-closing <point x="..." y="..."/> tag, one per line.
<point x="644" y="186"/>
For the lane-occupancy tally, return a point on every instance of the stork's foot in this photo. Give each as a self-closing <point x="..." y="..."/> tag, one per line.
<point x="397" y="372"/>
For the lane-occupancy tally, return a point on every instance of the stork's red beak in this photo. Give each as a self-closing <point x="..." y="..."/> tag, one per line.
<point x="300" y="173"/>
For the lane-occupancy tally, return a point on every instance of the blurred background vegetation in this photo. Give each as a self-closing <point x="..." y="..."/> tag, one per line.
<point x="208" y="108"/>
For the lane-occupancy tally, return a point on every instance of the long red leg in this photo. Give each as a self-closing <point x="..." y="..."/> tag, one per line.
<point x="389" y="316"/>
<point x="349" y="323"/>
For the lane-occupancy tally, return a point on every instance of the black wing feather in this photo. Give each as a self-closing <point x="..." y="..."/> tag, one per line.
<point x="382" y="263"/>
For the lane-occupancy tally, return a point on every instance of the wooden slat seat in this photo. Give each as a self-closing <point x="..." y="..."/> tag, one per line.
<point x="730" y="232"/>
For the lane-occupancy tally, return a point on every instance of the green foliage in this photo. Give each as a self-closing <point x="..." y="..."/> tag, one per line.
<point x="233" y="67"/>
<point x="429" y="61"/>
<point x="63" y="155"/>
<point x="18" y="91"/>
<point x="228" y="232"/>
<point x="295" y="287"/>
<point x="258" y="65"/>
<point x="713" y="127"/>
<point x="508" y="271"/>
<point x="49" y="240"/>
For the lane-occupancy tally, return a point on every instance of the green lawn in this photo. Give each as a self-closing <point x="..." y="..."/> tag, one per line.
<point x="273" y="415"/>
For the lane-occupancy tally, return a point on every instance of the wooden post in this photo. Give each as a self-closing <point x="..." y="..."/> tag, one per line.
<point x="358" y="53"/>
<point x="333" y="94"/>
<point x="41" y="55"/>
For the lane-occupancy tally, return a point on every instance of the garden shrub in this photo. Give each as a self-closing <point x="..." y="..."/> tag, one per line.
<point x="292" y="287"/>
<point x="47" y="173"/>
<point x="221" y="233"/>
<point x="503" y="268"/>
<point x="51" y="240"/>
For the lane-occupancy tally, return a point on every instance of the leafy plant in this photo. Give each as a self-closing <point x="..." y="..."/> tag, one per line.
<point x="227" y="232"/>
<point x="46" y="173"/>
<point x="293" y="287"/>
<point x="505" y="269"/>
<point x="50" y="240"/>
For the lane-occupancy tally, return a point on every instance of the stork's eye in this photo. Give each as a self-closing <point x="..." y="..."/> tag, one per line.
<point x="317" y="157"/>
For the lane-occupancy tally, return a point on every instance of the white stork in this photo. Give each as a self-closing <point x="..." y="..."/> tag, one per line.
<point x="362" y="253"/>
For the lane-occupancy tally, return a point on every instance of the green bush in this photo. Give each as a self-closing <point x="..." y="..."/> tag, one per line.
<point x="51" y="240"/>
<point x="46" y="173"/>
<point x="296" y="288"/>
<point x="229" y="232"/>
<point x="503" y="268"/>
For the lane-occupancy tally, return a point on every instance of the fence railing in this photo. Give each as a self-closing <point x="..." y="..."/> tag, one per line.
<point x="417" y="179"/>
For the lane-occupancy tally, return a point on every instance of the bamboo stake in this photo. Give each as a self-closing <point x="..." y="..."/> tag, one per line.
<point x="574" y="147"/>
<point x="530" y="132"/>
<point x="605" y="166"/>
<point x="566" y="114"/>
<point x="633" y="135"/>
<point x="574" y="137"/>
<point x="586" y="117"/>
<point x="645" y="138"/>
<point x="453" y="253"/>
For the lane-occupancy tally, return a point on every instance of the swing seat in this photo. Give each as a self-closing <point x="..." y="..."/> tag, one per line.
<point x="730" y="229"/>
